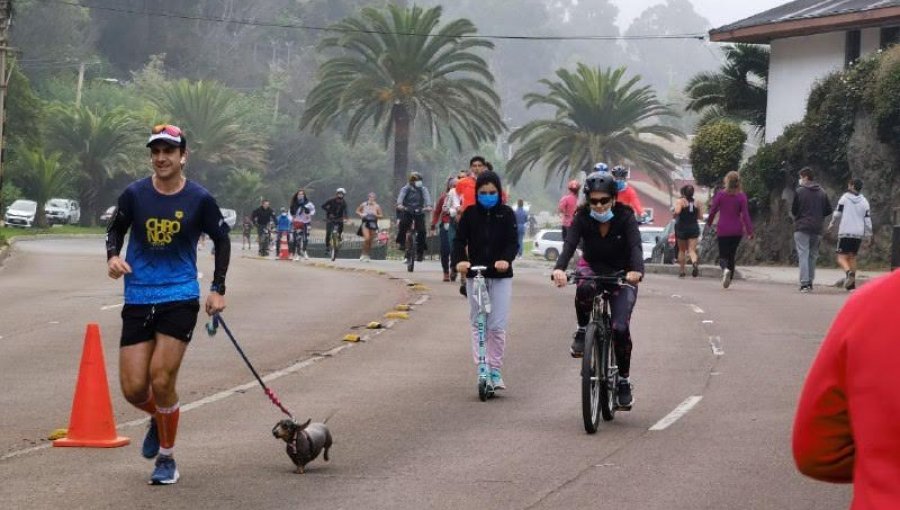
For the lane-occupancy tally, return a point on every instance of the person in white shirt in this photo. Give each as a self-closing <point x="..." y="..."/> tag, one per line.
<point x="855" y="224"/>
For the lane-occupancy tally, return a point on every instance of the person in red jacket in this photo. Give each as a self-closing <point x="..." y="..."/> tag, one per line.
<point x="627" y="194"/>
<point x="847" y="427"/>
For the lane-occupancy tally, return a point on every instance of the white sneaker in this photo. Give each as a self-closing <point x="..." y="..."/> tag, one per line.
<point x="305" y="256"/>
<point x="726" y="278"/>
<point x="295" y="258"/>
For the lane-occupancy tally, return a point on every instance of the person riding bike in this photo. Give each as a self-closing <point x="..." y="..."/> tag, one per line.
<point x="302" y="209"/>
<point x="627" y="194"/>
<point x="335" y="215"/>
<point x="412" y="202"/>
<point x="611" y="243"/>
<point x="262" y="216"/>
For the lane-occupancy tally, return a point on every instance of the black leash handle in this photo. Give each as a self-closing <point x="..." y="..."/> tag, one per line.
<point x="211" y="329"/>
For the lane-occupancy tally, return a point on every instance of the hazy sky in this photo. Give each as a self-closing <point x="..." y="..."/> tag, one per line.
<point x="718" y="12"/>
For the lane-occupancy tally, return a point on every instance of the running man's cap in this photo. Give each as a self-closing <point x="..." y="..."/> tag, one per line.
<point x="169" y="134"/>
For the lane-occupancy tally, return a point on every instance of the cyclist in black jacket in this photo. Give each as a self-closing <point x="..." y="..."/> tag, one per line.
<point x="487" y="236"/>
<point x="262" y="216"/>
<point x="611" y="243"/>
<point x="335" y="215"/>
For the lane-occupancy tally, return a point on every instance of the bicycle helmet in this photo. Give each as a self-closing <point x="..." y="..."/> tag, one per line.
<point x="574" y="186"/>
<point x="620" y="172"/>
<point x="341" y="190"/>
<point x="601" y="181"/>
<point x="601" y="167"/>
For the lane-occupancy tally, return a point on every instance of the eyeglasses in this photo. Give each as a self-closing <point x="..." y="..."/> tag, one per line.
<point x="600" y="201"/>
<point x="167" y="129"/>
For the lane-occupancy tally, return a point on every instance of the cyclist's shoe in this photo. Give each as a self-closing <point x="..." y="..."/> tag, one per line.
<point x="624" y="399"/>
<point x="577" y="349"/>
<point x="462" y="290"/>
<point x="165" y="472"/>
<point x="150" y="448"/>
<point x="497" y="379"/>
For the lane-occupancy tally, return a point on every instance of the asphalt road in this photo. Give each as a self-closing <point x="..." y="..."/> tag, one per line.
<point x="409" y="429"/>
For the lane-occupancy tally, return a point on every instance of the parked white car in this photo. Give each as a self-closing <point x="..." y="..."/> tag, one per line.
<point x="548" y="243"/>
<point x="21" y="214"/>
<point x="230" y="216"/>
<point x="62" y="211"/>
<point x="649" y="238"/>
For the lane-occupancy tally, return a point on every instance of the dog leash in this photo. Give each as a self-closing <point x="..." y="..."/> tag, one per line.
<point x="211" y="328"/>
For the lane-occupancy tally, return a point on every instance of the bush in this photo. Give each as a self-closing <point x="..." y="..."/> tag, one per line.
<point x="765" y="171"/>
<point x="717" y="150"/>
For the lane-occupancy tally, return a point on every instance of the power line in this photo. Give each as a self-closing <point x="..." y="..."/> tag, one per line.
<point x="272" y="24"/>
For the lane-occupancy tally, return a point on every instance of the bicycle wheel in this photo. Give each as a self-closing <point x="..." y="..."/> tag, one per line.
<point x="411" y="251"/>
<point x="591" y="380"/>
<point x="608" y="372"/>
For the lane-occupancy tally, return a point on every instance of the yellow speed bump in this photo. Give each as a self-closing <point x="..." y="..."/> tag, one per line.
<point x="396" y="315"/>
<point x="374" y="325"/>
<point x="57" y="434"/>
<point x="351" y="338"/>
<point x="419" y="288"/>
<point x="402" y="308"/>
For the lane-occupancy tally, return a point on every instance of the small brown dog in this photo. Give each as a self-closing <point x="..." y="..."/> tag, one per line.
<point x="304" y="441"/>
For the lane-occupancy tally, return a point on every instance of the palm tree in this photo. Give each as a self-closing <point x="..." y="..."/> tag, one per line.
<point x="242" y="190"/>
<point x="599" y="117"/>
<point x="737" y="92"/>
<point x="217" y="130"/>
<point x="397" y="68"/>
<point x="42" y="177"/>
<point x="101" y="145"/>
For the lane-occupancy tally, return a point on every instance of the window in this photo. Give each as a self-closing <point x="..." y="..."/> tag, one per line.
<point x="553" y="235"/>
<point x="889" y="36"/>
<point x="852" y="47"/>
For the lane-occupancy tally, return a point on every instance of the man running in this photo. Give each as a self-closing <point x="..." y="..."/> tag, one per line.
<point x="165" y="214"/>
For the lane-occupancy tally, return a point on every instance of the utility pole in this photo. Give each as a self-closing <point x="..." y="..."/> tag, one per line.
<point x="80" y="85"/>
<point x="5" y="15"/>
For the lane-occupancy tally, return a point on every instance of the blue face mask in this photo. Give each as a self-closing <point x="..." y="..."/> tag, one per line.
<point x="603" y="217"/>
<point x="488" y="201"/>
<point x="621" y="185"/>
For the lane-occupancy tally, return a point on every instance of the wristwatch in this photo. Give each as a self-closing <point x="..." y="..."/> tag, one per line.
<point x="218" y="288"/>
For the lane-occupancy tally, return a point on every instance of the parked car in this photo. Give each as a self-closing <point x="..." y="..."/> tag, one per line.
<point x="666" y="249"/>
<point x="21" y="214"/>
<point x="649" y="238"/>
<point x="230" y="216"/>
<point x="548" y="244"/>
<point x="107" y="214"/>
<point x="62" y="211"/>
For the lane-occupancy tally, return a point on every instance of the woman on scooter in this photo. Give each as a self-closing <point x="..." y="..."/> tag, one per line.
<point x="486" y="236"/>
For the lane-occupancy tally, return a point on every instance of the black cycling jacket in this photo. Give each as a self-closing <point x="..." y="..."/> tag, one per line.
<point x="619" y="250"/>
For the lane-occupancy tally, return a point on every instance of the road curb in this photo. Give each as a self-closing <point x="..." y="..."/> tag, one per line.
<point x="705" y="271"/>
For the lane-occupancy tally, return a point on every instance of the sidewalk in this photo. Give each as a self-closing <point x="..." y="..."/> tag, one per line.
<point x="785" y="275"/>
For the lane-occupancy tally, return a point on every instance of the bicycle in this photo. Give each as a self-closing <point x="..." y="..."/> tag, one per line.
<point x="483" y="300"/>
<point x="599" y="372"/>
<point x="412" y="251"/>
<point x="301" y="239"/>
<point x="335" y="240"/>
<point x="264" y="239"/>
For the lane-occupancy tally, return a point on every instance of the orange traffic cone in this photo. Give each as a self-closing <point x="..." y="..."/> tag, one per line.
<point x="284" y="249"/>
<point x="92" y="423"/>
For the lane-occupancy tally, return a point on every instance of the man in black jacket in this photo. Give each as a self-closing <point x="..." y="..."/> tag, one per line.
<point x="809" y="209"/>
<point x="261" y="217"/>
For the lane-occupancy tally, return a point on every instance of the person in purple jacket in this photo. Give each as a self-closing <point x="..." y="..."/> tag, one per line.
<point x="730" y="205"/>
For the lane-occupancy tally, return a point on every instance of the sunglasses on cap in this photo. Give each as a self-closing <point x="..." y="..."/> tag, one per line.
<point x="600" y="201"/>
<point x="167" y="129"/>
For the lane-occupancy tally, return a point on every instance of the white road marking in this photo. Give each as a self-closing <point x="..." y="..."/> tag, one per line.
<point x="110" y="307"/>
<point x="696" y="308"/>
<point x="708" y="322"/>
<point x="679" y="411"/>
<point x="53" y="322"/>
<point x="715" y="342"/>
<point x="676" y="296"/>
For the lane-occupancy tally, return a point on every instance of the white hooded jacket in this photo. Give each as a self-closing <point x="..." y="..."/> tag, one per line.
<point x="853" y="213"/>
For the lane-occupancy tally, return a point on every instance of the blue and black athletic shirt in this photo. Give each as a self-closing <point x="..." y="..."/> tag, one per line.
<point x="162" y="246"/>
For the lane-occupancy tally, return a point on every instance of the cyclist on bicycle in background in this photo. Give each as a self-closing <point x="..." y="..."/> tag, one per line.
<point x="627" y="194"/>
<point x="262" y="216"/>
<point x="413" y="197"/>
<point x="302" y="209"/>
<point x="335" y="215"/>
<point x="611" y="243"/>
<point x="487" y="236"/>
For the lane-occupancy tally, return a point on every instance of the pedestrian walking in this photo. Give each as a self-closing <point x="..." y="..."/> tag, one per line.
<point x="854" y="224"/>
<point x="487" y="237"/>
<point x="165" y="214"/>
<point x="440" y="221"/>
<point x="687" y="215"/>
<point x="369" y="213"/>
<point x="809" y="209"/>
<point x="730" y="205"/>
<point x="567" y="206"/>
<point x="848" y="418"/>
<point x="452" y="207"/>
<point x="521" y="224"/>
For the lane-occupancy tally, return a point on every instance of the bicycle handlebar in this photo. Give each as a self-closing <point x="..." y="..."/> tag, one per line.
<point x="617" y="278"/>
<point x="478" y="269"/>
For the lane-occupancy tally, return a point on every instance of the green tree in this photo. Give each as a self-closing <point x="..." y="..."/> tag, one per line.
<point x="99" y="145"/>
<point x="216" y="128"/>
<point x="717" y="150"/>
<point x="41" y="177"/>
<point x="394" y="80"/>
<point x="737" y="92"/>
<point x="600" y="116"/>
<point x="242" y="190"/>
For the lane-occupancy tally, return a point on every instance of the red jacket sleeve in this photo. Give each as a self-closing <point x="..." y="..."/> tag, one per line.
<point x="823" y="441"/>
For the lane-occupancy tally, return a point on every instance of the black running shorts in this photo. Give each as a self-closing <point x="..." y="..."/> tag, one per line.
<point x="177" y="319"/>
<point x="848" y="245"/>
